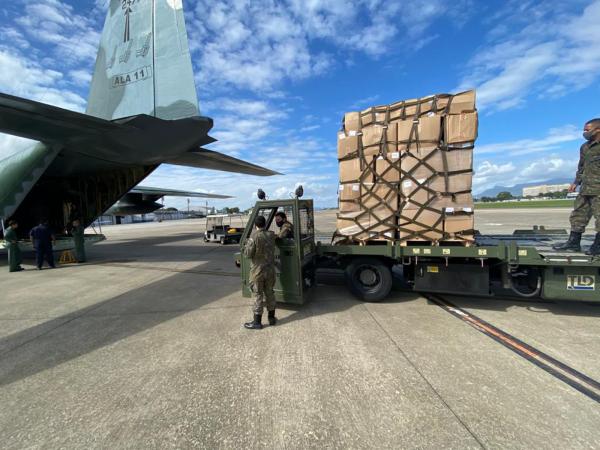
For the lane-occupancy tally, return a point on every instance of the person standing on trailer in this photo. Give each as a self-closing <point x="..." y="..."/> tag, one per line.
<point x="12" y="244"/>
<point x="260" y="249"/>
<point x="42" y="239"/>
<point x="587" y="203"/>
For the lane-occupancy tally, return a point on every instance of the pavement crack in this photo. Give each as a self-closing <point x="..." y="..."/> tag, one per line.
<point x="433" y="389"/>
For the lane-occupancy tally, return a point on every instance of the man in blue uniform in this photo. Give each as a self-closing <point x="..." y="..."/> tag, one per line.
<point x="42" y="239"/>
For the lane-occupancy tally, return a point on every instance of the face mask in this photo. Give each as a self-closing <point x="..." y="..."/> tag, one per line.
<point x="587" y="135"/>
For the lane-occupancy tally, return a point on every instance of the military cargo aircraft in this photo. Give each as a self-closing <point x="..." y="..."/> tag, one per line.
<point x="142" y="111"/>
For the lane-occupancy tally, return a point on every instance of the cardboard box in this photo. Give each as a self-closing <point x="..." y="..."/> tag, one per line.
<point x="351" y="171"/>
<point x="459" y="224"/>
<point x="367" y="226"/>
<point x="375" y="114"/>
<point x="456" y="183"/>
<point x="388" y="168"/>
<point x="408" y="109"/>
<point x="347" y="145"/>
<point x="412" y="161"/>
<point x="413" y="225"/>
<point x="424" y="129"/>
<point x="459" y="103"/>
<point x="376" y="195"/>
<point x="414" y="193"/>
<point x="352" y="122"/>
<point x="431" y="159"/>
<point x="453" y="201"/>
<point x="375" y="140"/>
<point x="349" y="196"/>
<point x="460" y="128"/>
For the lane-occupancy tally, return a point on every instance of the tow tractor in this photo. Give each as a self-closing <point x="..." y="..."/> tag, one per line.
<point x="220" y="228"/>
<point x="522" y="264"/>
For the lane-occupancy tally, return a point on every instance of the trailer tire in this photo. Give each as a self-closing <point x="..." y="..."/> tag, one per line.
<point x="369" y="279"/>
<point x="223" y="241"/>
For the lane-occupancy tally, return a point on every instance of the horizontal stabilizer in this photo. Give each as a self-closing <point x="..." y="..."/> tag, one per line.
<point x="159" y="192"/>
<point x="207" y="159"/>
<point x="130" y="141"/>
<point x="46" y="123"/>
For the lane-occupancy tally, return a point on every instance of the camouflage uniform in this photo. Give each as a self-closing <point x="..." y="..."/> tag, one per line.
<point x="79" y="241"/>
<point x="260" y="248"/>
<point x="286" y="231"/>
<point x="14" y="252"/>
<point x="587" y="203"/>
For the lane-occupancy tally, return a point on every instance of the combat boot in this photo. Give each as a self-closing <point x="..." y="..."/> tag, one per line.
<point x="573" y="244"/>
<point x="255" y="324"/>
<point x="594" y="250"/>
<point x="272" y="318"/>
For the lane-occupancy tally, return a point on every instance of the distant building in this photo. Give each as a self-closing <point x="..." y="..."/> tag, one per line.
<point x="534" y="191"/>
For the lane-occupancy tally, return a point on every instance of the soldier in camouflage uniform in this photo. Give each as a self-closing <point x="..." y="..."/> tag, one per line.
<point x="79" y="240"/>
<point x="587" y="203"/>
<point x="260" y="249"/>
<point x="286" y="229"/>
<point x="12" y="244"/>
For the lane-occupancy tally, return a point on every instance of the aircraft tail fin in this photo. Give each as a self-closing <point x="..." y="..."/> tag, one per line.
<point x="143" y="64"/>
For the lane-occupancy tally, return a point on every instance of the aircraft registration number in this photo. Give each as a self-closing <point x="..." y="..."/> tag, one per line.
<point x="143" y="73"/>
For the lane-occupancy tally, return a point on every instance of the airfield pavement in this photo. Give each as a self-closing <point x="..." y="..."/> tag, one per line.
<point x="143" y="347"/>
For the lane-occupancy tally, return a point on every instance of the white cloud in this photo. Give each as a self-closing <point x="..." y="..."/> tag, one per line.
<point x="22" y="77"/>
<point x="489" y="174"/>
<point x="552" y="141"/>
<point x="549" y="167"/>
<point x="80" y="77"/>
<point x="71" y="36"/>
<point x="257" y="45"/>
<point x="528" y="160"/>
<point x="551" y="52"/>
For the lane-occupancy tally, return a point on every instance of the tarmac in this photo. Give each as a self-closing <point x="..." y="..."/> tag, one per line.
<point x="143" y="347"/>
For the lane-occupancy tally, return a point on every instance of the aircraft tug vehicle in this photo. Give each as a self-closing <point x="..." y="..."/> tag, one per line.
<point x="520" y="265"/>
<point x="220" y="228"/>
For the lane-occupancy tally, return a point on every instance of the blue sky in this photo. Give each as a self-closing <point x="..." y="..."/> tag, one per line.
<point x="278" y="76"/>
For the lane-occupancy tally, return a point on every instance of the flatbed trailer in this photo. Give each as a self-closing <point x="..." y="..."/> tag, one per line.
<point x="520" y="265"/>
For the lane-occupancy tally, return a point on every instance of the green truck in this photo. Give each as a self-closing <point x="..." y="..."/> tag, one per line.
<point x="522" y="264"/>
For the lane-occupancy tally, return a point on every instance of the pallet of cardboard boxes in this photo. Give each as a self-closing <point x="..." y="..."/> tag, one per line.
<point x="406" y="172"/>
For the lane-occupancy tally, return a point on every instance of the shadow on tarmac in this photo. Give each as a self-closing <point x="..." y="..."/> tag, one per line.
<point x="80" y="332"/>
<point x="102" y="324"/>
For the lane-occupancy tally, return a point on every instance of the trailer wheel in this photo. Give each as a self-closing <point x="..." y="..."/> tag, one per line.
<point x="369" y="279"/>
<point x="223" y="241"/>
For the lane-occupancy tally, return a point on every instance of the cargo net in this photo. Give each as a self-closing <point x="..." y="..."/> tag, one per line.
<point x="406" y="172"/>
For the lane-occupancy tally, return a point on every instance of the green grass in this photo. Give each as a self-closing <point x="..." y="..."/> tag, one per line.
<point x="567" y="203"/>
